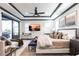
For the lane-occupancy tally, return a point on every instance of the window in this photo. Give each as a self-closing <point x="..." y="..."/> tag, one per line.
<point x="15" y="29"/>
<point x="7" y="28"/>
<point x="10" y="29"/>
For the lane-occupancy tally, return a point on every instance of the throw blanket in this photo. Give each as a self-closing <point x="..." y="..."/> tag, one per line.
<point x="44" y="41"/>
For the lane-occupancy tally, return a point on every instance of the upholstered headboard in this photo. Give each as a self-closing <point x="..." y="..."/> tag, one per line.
<point x="72" y="32"/>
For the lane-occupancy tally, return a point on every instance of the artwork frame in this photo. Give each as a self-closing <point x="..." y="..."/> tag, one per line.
<point x="62" y="22"/>
<point x="71" y="19"/>
<point x="34" y="27"/>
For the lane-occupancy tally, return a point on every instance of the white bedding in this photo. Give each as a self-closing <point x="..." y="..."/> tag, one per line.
<point x="44" y="40"/>
<point x="58" y="49"/>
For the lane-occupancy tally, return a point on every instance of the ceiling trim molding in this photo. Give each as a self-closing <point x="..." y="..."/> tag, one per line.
<point x="8" y="12"/>
<point x="66" y="10"/>
<point x="36" y="19"/>
<point x="8" y="17"/>
<point x="22" y="13"/>
<point x="15" y="8"/>
<point x="56" y="9"/>
<point x="35" y="16"/>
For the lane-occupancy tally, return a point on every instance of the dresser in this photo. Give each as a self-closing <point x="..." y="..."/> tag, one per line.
<point x="74" y="47"/>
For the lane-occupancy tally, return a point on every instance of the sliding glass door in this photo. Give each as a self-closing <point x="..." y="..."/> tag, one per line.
<point x="7" y="28"/>
<point x="10" y="29"/>
<point x="15" y="29"/>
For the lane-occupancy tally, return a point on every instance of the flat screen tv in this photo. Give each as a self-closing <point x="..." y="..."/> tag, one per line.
<point x="34" y="27"/>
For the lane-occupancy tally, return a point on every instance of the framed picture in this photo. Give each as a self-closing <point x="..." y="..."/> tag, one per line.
<point x="34" y="27"/>
<point x="62" y="22"/>
<point x="71" y="19"/>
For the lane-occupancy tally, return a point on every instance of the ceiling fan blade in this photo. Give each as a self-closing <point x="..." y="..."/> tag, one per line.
<point x="41" y="12"/>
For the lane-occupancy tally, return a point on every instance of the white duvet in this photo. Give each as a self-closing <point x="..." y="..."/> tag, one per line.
<point x="44" y="41"/>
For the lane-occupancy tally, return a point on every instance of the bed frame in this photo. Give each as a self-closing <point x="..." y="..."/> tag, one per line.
<point x="72" y="32"/>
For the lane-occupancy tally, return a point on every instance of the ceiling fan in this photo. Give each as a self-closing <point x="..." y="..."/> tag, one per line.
<point x="36" y="13"/>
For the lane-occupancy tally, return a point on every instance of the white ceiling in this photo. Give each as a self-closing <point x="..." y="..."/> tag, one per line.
<point x="62" y="8"/>
<point x="10" y="9"/>
<point x="26" y="8"/>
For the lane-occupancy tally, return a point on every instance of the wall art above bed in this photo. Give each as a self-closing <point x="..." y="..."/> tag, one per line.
<point x="62" y="22"/>
<point x="71" y="18"/>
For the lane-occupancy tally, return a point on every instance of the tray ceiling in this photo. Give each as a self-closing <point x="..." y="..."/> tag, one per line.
<point x="23" y="10"/>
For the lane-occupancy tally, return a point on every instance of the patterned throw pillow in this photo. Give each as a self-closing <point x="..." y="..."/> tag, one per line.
<point x="51" y="35"/>
<point x="60" y="35"/>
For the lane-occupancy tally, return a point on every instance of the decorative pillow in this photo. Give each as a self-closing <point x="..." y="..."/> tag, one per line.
<point x="60" y="35"/>
<point x="7" y="42"/>
<point x="55" y="35"/>
<point x="7" y="49"/>
<point x="3" y="38"/>
<point x="65" y="36"/>
<point x="51" y="35"/>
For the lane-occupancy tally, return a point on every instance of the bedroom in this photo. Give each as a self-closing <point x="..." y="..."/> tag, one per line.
<point x="38" y="30"/>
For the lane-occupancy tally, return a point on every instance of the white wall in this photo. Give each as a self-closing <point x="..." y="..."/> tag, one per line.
<point x="0" y="24"/>
<point x="46" y="27"/>
<point x="76" y="8"/>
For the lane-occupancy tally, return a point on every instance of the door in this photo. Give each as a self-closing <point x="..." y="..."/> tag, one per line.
<point x="15" y="30"/>
<point x="7" y="28"/>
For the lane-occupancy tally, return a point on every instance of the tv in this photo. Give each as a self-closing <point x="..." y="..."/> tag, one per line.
<point x="34" y="27"/>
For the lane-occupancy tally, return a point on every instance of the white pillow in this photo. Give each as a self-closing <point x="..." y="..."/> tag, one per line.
<point x="14" y="43"/>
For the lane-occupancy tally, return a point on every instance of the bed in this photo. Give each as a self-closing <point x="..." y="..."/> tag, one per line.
<point x="56" y="46"/>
